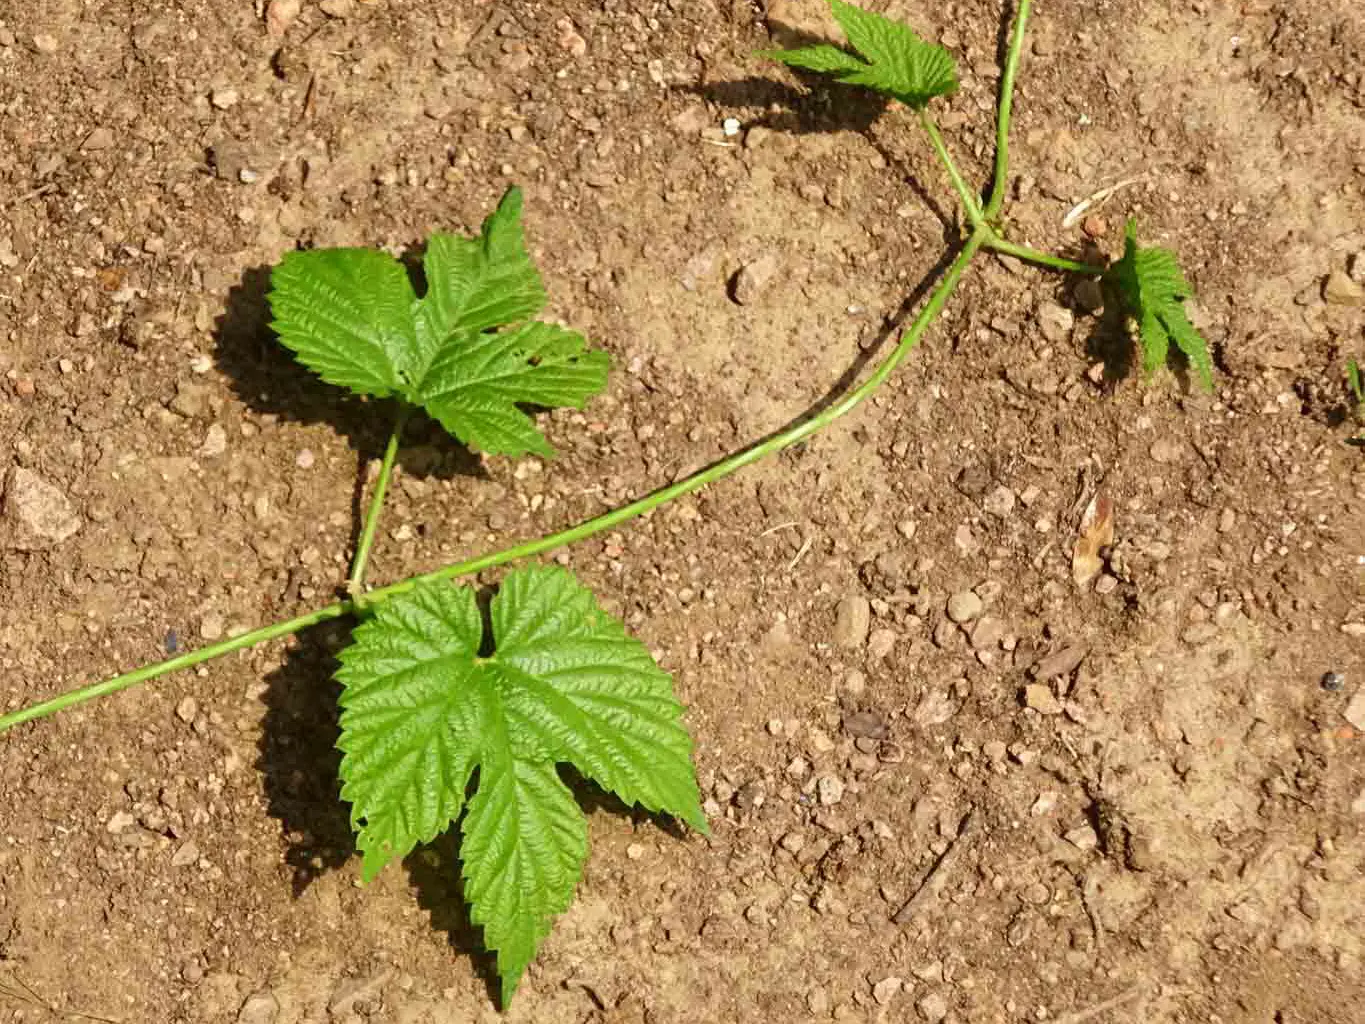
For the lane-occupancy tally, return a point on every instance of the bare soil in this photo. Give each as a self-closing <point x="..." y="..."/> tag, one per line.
<point x="1168" y="830"/>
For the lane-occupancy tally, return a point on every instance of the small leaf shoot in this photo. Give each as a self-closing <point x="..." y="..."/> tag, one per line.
<point x="1153" y="289"/>
<point x="894" y="60"/>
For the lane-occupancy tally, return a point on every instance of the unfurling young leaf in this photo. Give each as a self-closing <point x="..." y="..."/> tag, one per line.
<point x="1153" y="289"/>
<point x="422" y="710"/>
<point x="895" y="61"/>
<point x="467" y="351"/>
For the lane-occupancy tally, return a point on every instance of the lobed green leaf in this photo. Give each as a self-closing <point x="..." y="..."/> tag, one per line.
<point x="466" y="352"/>
<point x="895" y="60"/>
<point x="1153" y="289"/>
<point x="565" y="684"/>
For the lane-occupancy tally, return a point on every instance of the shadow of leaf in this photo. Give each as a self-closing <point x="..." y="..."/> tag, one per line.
<point x="268" y="380"/>
<point x="298" y="759"/>
<point x="435" y="872"/>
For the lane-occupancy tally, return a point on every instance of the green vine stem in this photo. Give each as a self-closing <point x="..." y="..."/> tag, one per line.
<point x="969" y="201"/>
<point x="1045" y="259"/>
<point x="1006" y="112"/>
<point x="355" y="586"/>
<point x="982" y="236"/>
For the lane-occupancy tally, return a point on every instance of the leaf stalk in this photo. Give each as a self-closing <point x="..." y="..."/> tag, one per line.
<point x="355" y="586"/>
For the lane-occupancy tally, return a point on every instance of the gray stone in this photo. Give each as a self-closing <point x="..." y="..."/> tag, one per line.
<point x="34" y="514"/>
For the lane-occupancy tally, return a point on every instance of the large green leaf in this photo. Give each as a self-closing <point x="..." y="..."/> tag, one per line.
<point x="565" y="684"/>
<point x="466" y="351"/>
<point x="896" y="61"/>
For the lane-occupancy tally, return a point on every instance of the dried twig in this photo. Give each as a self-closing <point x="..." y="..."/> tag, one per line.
<point x="1095" y="200"/>
<point x="938" y="874"/>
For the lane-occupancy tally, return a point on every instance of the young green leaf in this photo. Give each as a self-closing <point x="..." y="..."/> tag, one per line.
<point x="465" y="351"/>
<point x="1153" y="290"/>
<point x="895" y="61"/>
<point x="421" y="710"/>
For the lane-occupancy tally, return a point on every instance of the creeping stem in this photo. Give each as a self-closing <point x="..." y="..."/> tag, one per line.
<point x="711" y="474"/>
<point x="969" y="201"/>
<point x="1002" y="120"/>
<point x="982" y="236"/>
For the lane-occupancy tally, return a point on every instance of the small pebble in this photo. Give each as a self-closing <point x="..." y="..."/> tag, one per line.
<point x="830" y="790"/>
<point x="1355" y="710"/>
<point x="987" y="633"/>
<point x="964" y="606"/>
<point x="211" y="626"/>
<point x="305" y="459"/>
<point x="730" y="127"/>
<point x="1165" y="451"/>
<point x="1340" y="290"/>
<point x="852" y="620"/>
<point x="186" y="855"/>
<point x="1000" y="502"/>
<point x="881" y="643"/>
<point x="868" y="724"/>
<point x="887" y="989"/>
<point x="1333" y="682"/>
<point x="933" y="1007"/>
<point x="34" y="514"/>
<point x="260" y="1008"/>
<point x="1055" y="322"/>
<point x="1083" y="838"/>
<point x="187" y="709"/>
<point x="45" y="42"/>
<point x="224" y="99"/>
<point x="215" y="442"/>
<point x="753" y="279"/>
<point x="1041" y="699"/>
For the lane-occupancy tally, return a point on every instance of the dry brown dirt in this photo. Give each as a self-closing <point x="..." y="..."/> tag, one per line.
<point x="1172" y="832"/>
